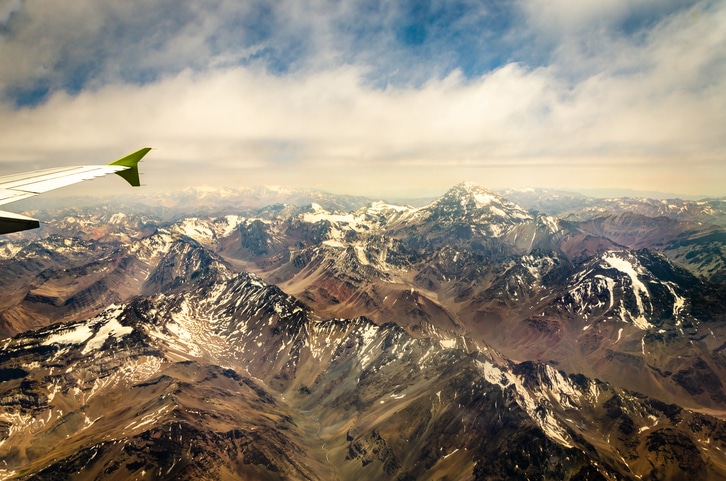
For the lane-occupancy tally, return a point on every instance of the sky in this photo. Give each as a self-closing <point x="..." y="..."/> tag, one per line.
<point x="378" y="98"/>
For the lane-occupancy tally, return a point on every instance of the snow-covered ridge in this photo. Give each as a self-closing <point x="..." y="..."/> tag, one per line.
<point x="152" y="247"/>
<point x="620" y="286"/>
<point x="9" y="249"/>
<point x="319" y="214"/>
<point x="377" y="215"/>
<point x="553" y="389"/>
<point x="207" y="231"/>
<point x="92" y="334"/>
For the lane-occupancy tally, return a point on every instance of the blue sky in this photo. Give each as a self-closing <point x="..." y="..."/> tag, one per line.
<point x="380" y="98"/>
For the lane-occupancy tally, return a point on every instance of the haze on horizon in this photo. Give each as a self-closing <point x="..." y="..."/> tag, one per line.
<point x="383" y="99"/>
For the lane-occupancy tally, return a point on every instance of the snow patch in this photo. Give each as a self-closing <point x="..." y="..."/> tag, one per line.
<point x="75" y="335"/>
<point x="678" y="303"/>
<point x="484" y="199"/>
<point x="639" y="289"/>
<point x="448" y="343"/>
<point x="112" y="328"/>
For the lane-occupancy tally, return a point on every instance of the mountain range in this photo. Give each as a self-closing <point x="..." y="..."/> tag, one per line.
<point x="479" y="336"/>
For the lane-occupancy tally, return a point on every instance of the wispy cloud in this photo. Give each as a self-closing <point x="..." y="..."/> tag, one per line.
<point x="360" y="95"/>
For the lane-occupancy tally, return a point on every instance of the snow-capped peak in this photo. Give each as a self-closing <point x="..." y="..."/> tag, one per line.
<point x="473" y="203"/>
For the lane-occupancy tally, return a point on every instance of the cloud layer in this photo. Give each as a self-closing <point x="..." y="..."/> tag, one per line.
<point x="379" y="98"/>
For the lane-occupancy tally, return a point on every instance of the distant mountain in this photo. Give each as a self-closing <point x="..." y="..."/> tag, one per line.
<point x="309" y="341"/>
<point x="575" y="206"/>
<point x="204" y="201"/>
<point x="634" y="193"/>
<point x="553" y="202"/>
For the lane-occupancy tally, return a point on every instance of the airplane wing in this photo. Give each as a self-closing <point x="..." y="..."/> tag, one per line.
<point x="21" y="186"/>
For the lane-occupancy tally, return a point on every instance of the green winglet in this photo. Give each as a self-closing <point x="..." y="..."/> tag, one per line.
<point x="132" y="162"/>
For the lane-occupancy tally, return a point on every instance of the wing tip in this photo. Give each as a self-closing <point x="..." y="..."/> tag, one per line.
<point x="133" y="159"/>
<point x="131" y="162"/>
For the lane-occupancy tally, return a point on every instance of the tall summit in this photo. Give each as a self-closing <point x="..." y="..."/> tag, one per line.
<point x="469" y="202"/>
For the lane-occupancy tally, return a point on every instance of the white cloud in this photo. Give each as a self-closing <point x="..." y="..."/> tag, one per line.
<point x="565" y="18"/>
<point x="8" y="8"/>
<point x="647" y="112"/>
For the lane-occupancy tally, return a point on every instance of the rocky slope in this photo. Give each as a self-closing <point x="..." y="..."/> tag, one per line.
<point x="220" y="376"/>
